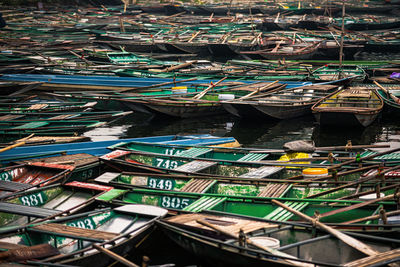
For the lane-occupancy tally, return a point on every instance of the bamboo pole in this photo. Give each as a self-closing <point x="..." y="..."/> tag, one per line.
<point x="263" y="88"/>
<point x="115" y="256"/>
<point x="21" y="142"/>
<point x="202" y="93"/>
<point x="345" y="238"/>
<point x="267" y="249"/>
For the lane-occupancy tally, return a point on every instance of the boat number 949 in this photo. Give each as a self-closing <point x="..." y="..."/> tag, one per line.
<point x="161" y="183"/>
<point x="174" y="202"/>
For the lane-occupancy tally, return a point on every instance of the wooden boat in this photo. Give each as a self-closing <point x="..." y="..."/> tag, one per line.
<point x="99" y="148"/>
<point x="288" y="52"/>
<point x="83" y="166"/>
<point x="389" y="94"/>
<point x="44" y="106"/>
<point x="282" y="104"/>
<point x="222" y="239"/>
<point x="329" y="210"/>
<point x="63" y="239"/>
<point x="49" y="200"/>
<point x="67" y="127"/>
<point x="349" y="186"/>
<point x="26" y="176"/>
<point x="15" y="118"/>
<point x="354" y="106"/>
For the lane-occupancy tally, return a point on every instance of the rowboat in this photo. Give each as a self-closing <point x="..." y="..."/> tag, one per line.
<point x="74" y="240"/>
<point x="99" y="148"/>
<point x="44" y="106"/>
<point x="66" y="127"/>
<point x="390" y="97"/>
<point x="25" y="176"/>
<point x="288" y="52"/>
<point x="49" y="200"/>
<point x="222" y="239"/>
<point x="83" y="166"/>
<point x="329" y="210"/>
<point x="355" y="106"/>
<point x="350" y="186"/>
<point x="282" y="104"/>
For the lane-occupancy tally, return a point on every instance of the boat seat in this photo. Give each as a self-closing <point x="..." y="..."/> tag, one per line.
<point x="253" y="157"/>
<point x="73" y="232"/>
<point x="196" y="166"/>
<point x="31" y="125"/>
<point x="10" y="117"/>
<point x="204" y="203"/>
<point x="27" y="210"/>
<point x="281" y="214"/>
<point x="262" y="172"/>
<point x="13" y="186"/>
<point x="194" y="152"/>
<point x="274" y="190"/>
<point x="198" y="185"/>
<point x="38" y="106"/>
<point x="107" y="177"/>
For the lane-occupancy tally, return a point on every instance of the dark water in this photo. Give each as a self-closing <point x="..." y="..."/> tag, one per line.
<point x="266" y="134"/>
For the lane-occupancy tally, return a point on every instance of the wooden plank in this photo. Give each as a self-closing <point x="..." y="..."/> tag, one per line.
<point x="196" y="166"/>
<point x="197" y="185"/>
<point x="75" y="232"/>
<point x="376" y="260"/>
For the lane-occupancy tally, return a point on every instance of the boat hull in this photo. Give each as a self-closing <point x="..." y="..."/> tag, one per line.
<point x="345" y="119"/>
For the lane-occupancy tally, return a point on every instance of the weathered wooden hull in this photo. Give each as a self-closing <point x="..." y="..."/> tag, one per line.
<point x="344" y="119"/>
<point x="187" y="111"/>
<point x="242" y="110"/>
<point x="282" y="112"/>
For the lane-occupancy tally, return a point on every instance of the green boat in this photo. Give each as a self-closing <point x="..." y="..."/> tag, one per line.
<point x="72" y="238"/>
<point x="327" y="210"/>
<point x="84" y="166"/>
<point x="51" y="200"/>
<point x="300" y="188"/>
<point x="221" y="239"/>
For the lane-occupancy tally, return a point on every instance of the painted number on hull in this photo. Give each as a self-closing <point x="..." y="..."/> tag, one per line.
<point x="87" y="223"/>
<point x="37" y="199"/>
<point x="166" y="163"/>
<point x="161" y="183"/>
<point x="174" y="202"/>
<point x="5" y="176"/>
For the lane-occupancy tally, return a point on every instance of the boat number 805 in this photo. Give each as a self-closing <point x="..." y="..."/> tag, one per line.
<point x="174" y="202"/>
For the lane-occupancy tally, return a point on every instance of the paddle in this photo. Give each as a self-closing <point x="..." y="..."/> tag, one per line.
<point x="202" y="93"/>
<point x="20" y="142"/>
<point x="395" y="99"/>
<point x="267" y="249"/>
<point x="345" y="238"/>
<point x="263" y="88"/>
<point x="115" y="256"/>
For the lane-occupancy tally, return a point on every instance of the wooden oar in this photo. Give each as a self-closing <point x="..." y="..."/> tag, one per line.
<point x="265" y="248"/>
<point x="263" y="88"/>
<point x="372" y="217"/>
<point x="180" y="66"/>
<point x="395" y="99"/>
<point x="20" y="142"/>
<point x="364" y="158"/>
<point x="115" y="256"/>
<point x="202" y="93"/>
<point x="345" y="238"/>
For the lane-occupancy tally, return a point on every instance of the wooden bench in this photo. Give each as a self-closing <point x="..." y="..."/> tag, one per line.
<point x="196" y="166"/>
<point x="204" y="203"/>
<point x="198" y="185"/>
<point x="27" y="210"/>
<point x="73" y="232"/>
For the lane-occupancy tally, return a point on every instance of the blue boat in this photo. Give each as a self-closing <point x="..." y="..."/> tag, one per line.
<point x="110" y="81"/>
<point x="99" y="148"/>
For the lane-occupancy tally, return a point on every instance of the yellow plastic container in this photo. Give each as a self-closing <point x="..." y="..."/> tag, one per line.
<point x="179" y="90"/>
